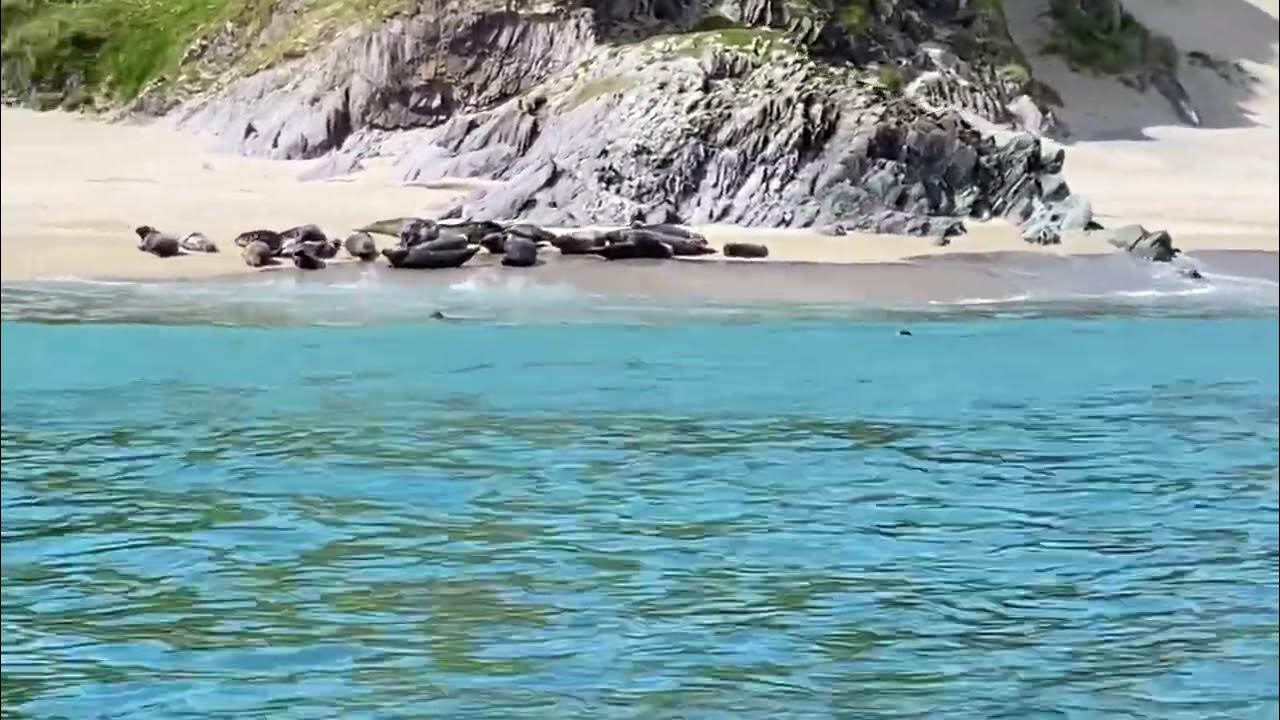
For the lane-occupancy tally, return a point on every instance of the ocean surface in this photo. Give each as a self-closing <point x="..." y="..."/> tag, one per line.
<point x="237" y="500"/>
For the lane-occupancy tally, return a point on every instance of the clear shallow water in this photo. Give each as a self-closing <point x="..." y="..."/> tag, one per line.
<point x="1028" y="511"/>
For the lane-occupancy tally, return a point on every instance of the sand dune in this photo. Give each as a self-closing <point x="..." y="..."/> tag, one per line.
<point x="1211" y="186"/>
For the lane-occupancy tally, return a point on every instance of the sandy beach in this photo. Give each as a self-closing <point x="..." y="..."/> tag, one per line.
<point x="74" y="187"/>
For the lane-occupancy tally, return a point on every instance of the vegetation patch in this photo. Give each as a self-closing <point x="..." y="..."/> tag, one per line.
<point x="1112" y="45"/>
<point x="115" y="48"/>
<point x="891" y="78"/>
<point x="853" y="16"/>
<point x="596" y="88"/>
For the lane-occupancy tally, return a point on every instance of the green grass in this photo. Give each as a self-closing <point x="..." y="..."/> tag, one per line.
<point x="694" y="43"/>
<point x="117" y="47"/>
<point x="596" y="88"/>
<point x="1089" y="42"/>
<point x="891" y="78"/>
<point x="853" y="16"/>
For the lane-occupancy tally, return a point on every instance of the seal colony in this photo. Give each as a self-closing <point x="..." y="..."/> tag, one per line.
<point x="424" y="244"/>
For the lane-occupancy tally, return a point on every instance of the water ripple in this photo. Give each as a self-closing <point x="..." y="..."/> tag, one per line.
<point x="761" y="521"/>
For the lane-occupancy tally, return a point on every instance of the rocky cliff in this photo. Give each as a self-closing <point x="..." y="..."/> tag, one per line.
<point x="902" y="116"/>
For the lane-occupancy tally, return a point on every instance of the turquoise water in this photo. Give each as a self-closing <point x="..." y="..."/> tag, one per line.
<point x="1012" y="513"/>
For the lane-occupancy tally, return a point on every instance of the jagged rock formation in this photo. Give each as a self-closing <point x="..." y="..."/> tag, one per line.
<point x="594" y="116"/>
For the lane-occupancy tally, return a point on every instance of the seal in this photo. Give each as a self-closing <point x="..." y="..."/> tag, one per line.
<point x="304" y="260"/>
<point x="360" y="245"/>
<point x="495" y="243"/>
<point x="157" y="243"/>
<point x="197" y="242"/>
<point x="673" y="231"/>
<point x="684" y="247"/>
<point x="472" y="229"/>
<point x="304" y="233"/>
<point x="578" y="244"/>
<point x="390" y="226"/>
<point x="324" y="249"/>
<point x="272" y="239"/>
<point x="447" y="242"/>
<point x="634" y="251"/>
<point x="258" y="254"/>
<point x="521" y="252"/>
<point x="745" y="250"/>
<point x="531" y="232"/>
<point x="420" y="258"/>
<point x="418" y="231"/>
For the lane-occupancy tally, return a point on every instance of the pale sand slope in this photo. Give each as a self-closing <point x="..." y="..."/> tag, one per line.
<point x="1212" y="187"/>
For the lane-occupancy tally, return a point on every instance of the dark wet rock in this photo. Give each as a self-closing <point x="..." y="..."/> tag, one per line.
<point x="520" y="252"/>
<point x="198" y="243"/>
<point x="745" y="250"/>
<point x="1190" y="273"/>
<point x="420" y="258"/>
<point x="361" y="245"/>
<point x="833" y="230"/>
<point x="151" y="240"/>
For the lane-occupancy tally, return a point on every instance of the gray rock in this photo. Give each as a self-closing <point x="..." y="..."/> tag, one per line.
<point x="1043" y="235"/>
<point x="1127" y="236"/>
<point x="1156" y="246"/>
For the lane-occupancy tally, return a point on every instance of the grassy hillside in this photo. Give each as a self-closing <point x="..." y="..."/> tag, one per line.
<point x="112" y="49"/>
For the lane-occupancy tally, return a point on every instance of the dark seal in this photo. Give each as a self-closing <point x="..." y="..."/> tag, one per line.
<point x="271" y="238"/>
<point x="304" y="260"/>
<point x="153" y="241"/>
<point x="521" y="252"/>
<point x="745" y="250"/>
<point x="197" y="242"/>
<point x="420" y="258"/>
<point x="258" y="254"/>
<point x="360" y="245"/>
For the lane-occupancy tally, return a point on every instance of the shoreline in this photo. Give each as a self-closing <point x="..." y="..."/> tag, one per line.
<point x="1233" y="278"/>
<point x="74" y="187"/>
